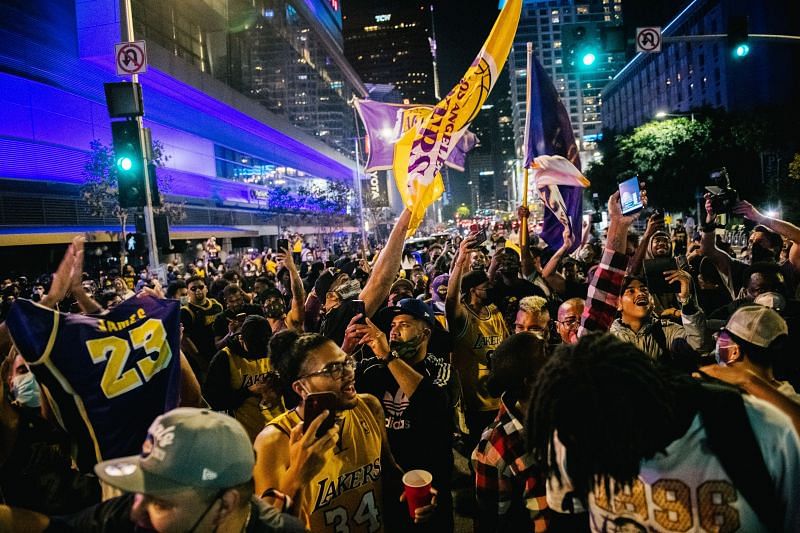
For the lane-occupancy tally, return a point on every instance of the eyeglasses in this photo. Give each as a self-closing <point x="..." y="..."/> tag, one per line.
<point x="197" y="288"/>
<point x="569" y="322"/>
<point x="335" y="370"/>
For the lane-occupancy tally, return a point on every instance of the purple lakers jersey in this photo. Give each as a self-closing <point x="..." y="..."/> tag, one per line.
<point x="106" y="376"/>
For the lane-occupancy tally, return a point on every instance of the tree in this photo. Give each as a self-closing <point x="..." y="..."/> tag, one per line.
<point x="325" y="206"/>
<point x="675" y="157"/>
<point x="99" y="189"/>
<point x="329" y="204"/>
<point x="794" y="168"/>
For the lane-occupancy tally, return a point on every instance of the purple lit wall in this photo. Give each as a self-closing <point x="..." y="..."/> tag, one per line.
<point x="52" y="105"/>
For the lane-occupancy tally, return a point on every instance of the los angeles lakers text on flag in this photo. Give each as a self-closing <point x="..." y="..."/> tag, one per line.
<point x="421" y="151"/>
<point x="386" y="123"/>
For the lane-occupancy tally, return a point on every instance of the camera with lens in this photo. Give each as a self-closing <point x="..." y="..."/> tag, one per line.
<point x="723" y="196"/>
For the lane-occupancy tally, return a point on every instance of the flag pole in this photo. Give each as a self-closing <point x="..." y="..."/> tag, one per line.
<point x="359" y="193"/>
<point x="523" y="223"/>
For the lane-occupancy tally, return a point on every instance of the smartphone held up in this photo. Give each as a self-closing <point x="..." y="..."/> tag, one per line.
<point x="314" y="404"/>
<point x="630" y="196"/>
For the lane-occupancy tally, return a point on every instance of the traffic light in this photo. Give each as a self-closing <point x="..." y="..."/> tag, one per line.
<point x="128" y="160"/>
<point x="738" y="36"/>
<point x="136" y="243"/>
<point x="580" y="45"/>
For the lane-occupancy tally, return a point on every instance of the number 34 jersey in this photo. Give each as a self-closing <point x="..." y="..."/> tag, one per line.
<point x="106" y="376"/>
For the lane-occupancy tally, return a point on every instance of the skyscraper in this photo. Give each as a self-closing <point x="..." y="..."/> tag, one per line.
<point x="388" y="42"/>
<point x="547" y="24"/>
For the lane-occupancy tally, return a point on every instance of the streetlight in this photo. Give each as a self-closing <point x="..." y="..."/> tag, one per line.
<point x="664" y="114"/>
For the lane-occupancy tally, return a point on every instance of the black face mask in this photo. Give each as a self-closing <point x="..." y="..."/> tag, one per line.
<point x="274" y="309"/>
<point x="406" y="350"/>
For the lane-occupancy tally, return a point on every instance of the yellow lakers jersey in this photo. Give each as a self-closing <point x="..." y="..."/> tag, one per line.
<point x="245" y="372"/>
<point x="472" y="349"/>
<point x="346" y="494"/>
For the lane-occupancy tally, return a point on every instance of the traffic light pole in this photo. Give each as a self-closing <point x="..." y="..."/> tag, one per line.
<point x="717" y="36"/>
<point x="149" y="224"/>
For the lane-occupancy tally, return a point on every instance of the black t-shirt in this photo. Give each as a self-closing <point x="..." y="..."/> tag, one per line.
<point x="420" y="432"/>
<point x="38" y="475"/>
<point x="113" y="516"/>
<point x="198" y="325"/>
<point x="419" y="428"/>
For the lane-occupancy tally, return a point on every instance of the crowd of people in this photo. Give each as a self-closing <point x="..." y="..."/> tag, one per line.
<point x="627" y="381"/>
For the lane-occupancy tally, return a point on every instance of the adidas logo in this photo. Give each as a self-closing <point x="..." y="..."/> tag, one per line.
<point x="208" y="475"/>
<point x="395" y="405"/>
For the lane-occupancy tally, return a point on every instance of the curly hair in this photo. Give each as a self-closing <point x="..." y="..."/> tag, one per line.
<point x="611" y="406"/>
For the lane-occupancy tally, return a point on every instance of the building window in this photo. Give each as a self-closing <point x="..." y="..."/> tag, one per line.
<point x="582" y="10"/>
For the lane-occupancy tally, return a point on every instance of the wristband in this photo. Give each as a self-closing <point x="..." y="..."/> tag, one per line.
<point x="278" y="495"/>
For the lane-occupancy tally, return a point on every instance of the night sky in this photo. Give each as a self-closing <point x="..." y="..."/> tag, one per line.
<point x="461" y="29"/>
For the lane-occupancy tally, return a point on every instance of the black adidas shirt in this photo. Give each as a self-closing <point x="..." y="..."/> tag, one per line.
<point x="420" y="429"/>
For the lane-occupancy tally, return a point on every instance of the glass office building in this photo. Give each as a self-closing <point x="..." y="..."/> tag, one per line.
<point x="243" y="95"/>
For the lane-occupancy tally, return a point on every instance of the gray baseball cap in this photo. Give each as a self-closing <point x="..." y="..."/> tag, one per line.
<point x="185" y="448"/>
<point x="757" y="325"/>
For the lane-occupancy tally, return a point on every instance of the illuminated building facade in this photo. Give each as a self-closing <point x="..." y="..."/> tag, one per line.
<point x="234" y="121"/>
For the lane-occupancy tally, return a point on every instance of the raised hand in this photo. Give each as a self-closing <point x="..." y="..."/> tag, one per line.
<point x="746" y="209"/>
<point x="615" y="209"/>
<point x="682" y="277"/>
<point x="373" y="337"/>
<point x="306" y="451"/>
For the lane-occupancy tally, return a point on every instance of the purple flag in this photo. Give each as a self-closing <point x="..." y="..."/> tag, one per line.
<point x="458" y="157"/>
<point x="385" y="123"/>
<point x="549" y="132"/>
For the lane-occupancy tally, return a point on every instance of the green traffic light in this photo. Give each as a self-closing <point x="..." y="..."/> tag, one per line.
<point x="742" y="50"/>
<point x="125" y="163"/>
<point x="589" y="58"/>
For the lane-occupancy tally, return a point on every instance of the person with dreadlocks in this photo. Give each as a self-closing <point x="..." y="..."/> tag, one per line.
<point x="638" y="446"/>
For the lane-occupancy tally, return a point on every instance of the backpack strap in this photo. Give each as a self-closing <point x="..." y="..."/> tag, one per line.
<point x="731" y="438"/>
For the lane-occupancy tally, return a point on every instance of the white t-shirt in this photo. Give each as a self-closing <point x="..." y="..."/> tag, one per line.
<point x="686" y="488"/>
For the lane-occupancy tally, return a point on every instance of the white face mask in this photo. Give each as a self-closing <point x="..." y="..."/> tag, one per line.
<point x="25" y="390"/>
<point x="184" y="300"/>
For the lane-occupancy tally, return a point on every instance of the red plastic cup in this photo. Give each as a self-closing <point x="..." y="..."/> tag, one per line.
<point x="417" y="489"/>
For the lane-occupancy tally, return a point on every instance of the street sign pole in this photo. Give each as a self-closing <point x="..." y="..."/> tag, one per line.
<point x="149" y="224"/>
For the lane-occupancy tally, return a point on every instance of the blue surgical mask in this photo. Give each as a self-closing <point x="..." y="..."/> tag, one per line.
<point x="25" y="390"/>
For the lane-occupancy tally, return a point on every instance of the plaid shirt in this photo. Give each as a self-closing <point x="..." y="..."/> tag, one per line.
<point x="508" y="488"/>
<point x="603" y="294"/>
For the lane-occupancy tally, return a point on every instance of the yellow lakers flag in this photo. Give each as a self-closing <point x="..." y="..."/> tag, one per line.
<point x="420" y="152"/>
